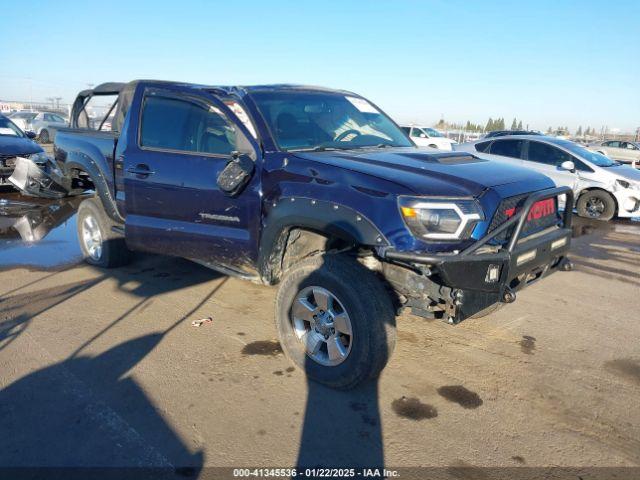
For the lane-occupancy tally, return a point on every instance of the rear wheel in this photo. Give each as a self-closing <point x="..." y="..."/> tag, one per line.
<point x="44" y="136"/>
<point x="335" y="321"/>
<point x="596" y="204"/>
<point x="99" y="244"/>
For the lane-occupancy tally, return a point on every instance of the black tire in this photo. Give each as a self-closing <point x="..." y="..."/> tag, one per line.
<point x="113" y="251"/>
<point x="368" y="306"/>
<point x="596" y="204"/>
<point x="44" y="136"/>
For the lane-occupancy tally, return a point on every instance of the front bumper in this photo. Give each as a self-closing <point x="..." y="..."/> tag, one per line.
<point x="473" y="280"/>
<point x="628" y="201"/>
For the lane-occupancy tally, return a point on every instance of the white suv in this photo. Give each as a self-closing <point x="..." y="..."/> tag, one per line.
<point x="428" y="137"/>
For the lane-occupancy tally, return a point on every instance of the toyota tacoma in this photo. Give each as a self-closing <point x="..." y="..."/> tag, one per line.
<point x="315" y="190"/>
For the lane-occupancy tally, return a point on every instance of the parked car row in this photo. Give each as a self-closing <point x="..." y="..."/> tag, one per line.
<point x="43" y="124"/>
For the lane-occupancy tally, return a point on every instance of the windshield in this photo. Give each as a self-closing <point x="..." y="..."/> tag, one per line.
<point x="8" y="128"/>
<point x="325" y="121"/>
<point x="433" y="133"/>
<point x="597" y="159"/>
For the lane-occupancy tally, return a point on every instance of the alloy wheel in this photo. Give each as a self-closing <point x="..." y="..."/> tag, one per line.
<point x="322" y="325"/>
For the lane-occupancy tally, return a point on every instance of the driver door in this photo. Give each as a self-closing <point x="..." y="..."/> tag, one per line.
<point x="173" y="202"/>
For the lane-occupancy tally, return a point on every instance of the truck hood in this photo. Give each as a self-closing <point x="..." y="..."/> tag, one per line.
<point x="426" y="172"/>
<point x="12" y="145"/>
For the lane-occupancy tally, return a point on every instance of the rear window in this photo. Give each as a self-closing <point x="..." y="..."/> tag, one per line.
<point x="507" y="148"/>
<point x="483" y="147"/>
<point x="95" y="111"/>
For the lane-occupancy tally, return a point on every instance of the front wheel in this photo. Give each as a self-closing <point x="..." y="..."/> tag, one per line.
<point x="596" y="204"/>
<point x="335" y="321"/>
<point x="99" y="244"/>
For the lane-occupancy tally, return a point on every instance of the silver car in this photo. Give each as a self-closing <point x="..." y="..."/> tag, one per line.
<point x="43" y="124"/>
<point x="603" y="188"/>
<point x="627" y="152"/>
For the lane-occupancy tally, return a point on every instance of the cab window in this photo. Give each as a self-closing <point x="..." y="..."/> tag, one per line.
<point x="187" y="126"/>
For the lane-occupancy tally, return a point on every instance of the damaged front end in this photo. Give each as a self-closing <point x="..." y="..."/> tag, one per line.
<point x="40" y="178"/>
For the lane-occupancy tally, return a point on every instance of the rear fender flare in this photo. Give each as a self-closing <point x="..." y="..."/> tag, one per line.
<point x="80" y="161"/>
<point x="327" y="218"/>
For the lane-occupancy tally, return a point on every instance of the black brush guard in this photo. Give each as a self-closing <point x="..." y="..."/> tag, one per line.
<point x="469" y="270"/>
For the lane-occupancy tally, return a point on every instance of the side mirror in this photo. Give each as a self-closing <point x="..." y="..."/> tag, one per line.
<point x="568" y="165"/>
<point x="30" y="134"/>
<point x="236" y="174"/>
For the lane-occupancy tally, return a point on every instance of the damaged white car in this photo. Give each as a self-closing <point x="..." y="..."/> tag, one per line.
<point x="603" y="187"/>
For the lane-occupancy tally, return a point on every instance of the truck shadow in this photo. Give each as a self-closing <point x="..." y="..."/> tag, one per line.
<point x="341" y="429"/>
<point x="87" y="416"/>
<point x="87" y="412"/>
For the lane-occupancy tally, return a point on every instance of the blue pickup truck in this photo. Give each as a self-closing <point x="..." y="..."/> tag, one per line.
<point x="316" y="190"/>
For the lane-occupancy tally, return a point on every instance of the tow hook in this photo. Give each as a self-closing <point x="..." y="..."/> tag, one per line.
<point x="509" y="296"/>
<point x="566" y="265"/>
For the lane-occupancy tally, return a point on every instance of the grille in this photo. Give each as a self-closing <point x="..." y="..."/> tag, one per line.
<point x="532" y="225"/>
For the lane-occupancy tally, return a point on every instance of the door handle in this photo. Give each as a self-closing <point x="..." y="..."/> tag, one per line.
<point x="140" y="169"/>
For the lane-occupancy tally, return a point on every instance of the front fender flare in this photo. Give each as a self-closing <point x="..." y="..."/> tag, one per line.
<point x="324" y="217"/>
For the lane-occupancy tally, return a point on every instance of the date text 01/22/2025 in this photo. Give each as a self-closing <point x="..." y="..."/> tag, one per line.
<point x="314" y="472"/>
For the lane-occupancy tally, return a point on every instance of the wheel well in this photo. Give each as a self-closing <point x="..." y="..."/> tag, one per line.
<point x="302" y="243"/>
<point x="591" y="189"/>
<point x="81" y="179"/>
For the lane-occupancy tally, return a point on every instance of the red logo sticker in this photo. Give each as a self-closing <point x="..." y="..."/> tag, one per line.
<point x="540" y="209"/>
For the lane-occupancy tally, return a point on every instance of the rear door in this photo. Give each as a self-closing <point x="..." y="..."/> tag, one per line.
<point x="178" y="143"/>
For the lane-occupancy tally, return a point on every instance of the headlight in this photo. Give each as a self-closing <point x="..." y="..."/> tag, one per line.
<point x="440" y="219"/>
<point x="626" y="184"/>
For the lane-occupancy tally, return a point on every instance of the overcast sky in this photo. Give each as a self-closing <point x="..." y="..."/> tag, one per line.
<point x="549" y="63"/>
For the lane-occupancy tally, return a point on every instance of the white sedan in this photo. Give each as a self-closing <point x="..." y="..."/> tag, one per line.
<point x="603" y="188"/>
<point x="428" y="137"/>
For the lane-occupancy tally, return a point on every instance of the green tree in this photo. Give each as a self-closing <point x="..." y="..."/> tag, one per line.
<point x="500" y="124"/>
<point x="520" y="125"/>
<point x="514" y="124"/>
<point x="489" y="127"/>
